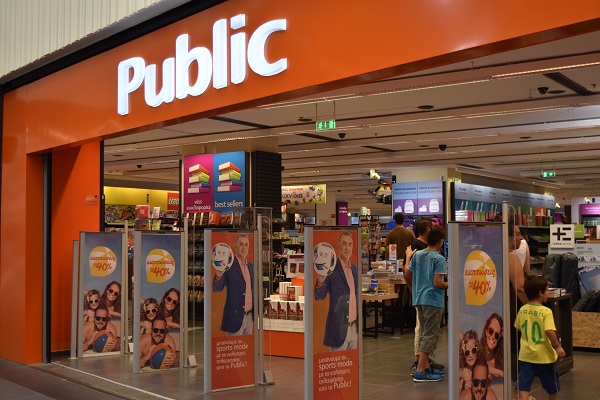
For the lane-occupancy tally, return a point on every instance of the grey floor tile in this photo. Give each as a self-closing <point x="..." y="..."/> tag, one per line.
<point x="386" y="367"/>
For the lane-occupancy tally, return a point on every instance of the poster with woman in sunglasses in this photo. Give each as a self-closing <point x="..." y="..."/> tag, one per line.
<point x="101" y="274"/>
<point x="480" y="300"/>
<point x="159" y="320"/>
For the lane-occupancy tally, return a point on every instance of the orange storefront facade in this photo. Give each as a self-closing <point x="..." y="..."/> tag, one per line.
<point x="322" y="45"/>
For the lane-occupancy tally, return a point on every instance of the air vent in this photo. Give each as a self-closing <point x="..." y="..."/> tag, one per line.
<point x="568" y="83"/>
<point x="469" y="166"/>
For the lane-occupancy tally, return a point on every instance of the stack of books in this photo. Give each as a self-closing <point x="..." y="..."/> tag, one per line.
<point x="230" y="179"/>
<point x="199" y="179"/>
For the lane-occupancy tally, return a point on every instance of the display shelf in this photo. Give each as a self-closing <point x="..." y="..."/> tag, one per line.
<point x="563" y="320"/>
<point x="538" y="238"/>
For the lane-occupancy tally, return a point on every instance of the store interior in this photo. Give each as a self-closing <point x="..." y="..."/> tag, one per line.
<point x="501" y="121"/>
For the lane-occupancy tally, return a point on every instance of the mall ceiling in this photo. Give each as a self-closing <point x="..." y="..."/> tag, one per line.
<point x="507" y="116"/>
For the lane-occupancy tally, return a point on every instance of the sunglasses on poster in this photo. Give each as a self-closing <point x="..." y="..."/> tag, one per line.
<point x="151" y="310"/>
<point x="480" y="382"/>
<point x="171" y="300"/>
<point x="157" y="330"/>
<point x="111" y="291"/>
<point x="494" y="334"/>
<point x="472" y="351"/>
<point x="93" y="301"/>
<point x="103" y="319"/>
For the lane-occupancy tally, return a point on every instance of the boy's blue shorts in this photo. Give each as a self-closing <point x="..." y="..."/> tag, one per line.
<point x="547" y="373"/>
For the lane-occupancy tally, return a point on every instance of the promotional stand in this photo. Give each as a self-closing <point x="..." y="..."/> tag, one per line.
<point x="333" y="320"/>
<point x="231" y="313"/>
<point x="102" y="256"/>
<point x="158" y="300"/>
<point x="478" y="308"/>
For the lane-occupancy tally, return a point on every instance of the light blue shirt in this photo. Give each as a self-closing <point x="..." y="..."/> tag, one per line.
<point x="424" y="264"/>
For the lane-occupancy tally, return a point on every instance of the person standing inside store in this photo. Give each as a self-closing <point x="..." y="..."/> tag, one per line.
<point x="522" y="251"/>
<point x="238" y="318"/>
<point x="341" y="327"/>
<point x="540" y="347"/>
<point x="424" y="274"/>
<point x="420" y="243"/>
<point x="400" y="236"/>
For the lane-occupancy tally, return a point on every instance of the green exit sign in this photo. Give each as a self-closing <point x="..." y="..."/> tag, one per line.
<point x="548" y="174"/>
<point x="326" y="125"/>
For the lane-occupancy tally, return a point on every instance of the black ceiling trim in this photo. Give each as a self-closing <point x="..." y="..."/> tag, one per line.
<point x="153" y="24"/>
<point x="568" y="83"/>
<point x="312" y="135"/>
<point x="376" y="148"/>
<point x="239" y="122"/>
<point x="469" y="166"/>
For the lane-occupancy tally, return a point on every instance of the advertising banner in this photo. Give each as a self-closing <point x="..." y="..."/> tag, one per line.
<point x="477" y="310"/>
<point x="333" y="341"/>
<point x="172" y="201"/>
<point x="230" y="309"/>
<point x="214" y="182"/>
<point x="430" y="197"/>
<point x="341" y="213"/>
<point x="303" y="194"/>
<point x="101" y="277"/>
<point x="158" y="317"/>
<point x="405" y="198"/>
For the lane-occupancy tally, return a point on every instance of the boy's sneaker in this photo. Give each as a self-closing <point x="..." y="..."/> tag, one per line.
<point x="413" y="369"/>
<point x="435" y="365"/>
<point x="429" y="375"/>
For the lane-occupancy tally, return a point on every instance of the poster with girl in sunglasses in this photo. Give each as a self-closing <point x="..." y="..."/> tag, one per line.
<point x="480" y="308"/>
<point x="158" y="274"/>
<point x="101" y="274"/>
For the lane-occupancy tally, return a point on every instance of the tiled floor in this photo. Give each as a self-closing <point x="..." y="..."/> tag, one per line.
<point x="385" y="364"/>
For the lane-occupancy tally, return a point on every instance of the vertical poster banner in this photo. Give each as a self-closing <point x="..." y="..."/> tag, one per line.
<point x="430" y="197"/>
<point x="477" y="311"/>
<point x="335" y="314"/>
<point x="341" y="213"/>
<point x="230" y="181"/>
<point x="230" y="309"/>
<point x="198" y="183"/>
<point x="158" y="320"/>
<point x="101" y="277"/>
<point x="405" y="198"/>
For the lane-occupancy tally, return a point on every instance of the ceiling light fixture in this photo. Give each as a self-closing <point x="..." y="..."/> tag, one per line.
<point x="544" y="70"/>
<point x="426" y="107"/>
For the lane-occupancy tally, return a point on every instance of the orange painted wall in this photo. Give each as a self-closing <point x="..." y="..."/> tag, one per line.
<point x="75" y="175"/>
<point x="328" y="44"/>
<point x="21" y="251"/>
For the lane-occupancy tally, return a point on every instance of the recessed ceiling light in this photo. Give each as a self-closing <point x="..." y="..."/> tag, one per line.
<point x="304" y="119"/>
<point x="426" y="107"/>
<point x="558" y="91"/>
<point x="524" y="137"/>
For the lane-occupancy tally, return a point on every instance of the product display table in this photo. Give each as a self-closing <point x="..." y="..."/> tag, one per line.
<point x="376" y="300"/>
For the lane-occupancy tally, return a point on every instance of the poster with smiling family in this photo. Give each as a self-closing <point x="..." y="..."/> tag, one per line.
<point x="159" y="311"/>
<point x="477" y="305"/>
<point x="101" y="274"/>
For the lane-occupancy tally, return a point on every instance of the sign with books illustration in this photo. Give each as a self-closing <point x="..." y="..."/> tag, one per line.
<point x="214" y="182"/>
